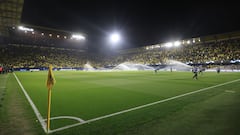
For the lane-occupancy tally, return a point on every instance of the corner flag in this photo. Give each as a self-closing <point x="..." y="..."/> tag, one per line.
<point x="50" y="82"/>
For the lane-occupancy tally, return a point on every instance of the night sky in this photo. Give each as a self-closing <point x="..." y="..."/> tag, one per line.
<point x="140" y="23"/>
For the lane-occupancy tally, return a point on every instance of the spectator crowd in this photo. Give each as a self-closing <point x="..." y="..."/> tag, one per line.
<point x="36" y="56"/>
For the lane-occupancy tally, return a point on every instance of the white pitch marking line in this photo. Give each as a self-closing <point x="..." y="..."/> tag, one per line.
<point x="142" y="106"/>
<point x="66" y="117"/>
<point x="37" y="113"/>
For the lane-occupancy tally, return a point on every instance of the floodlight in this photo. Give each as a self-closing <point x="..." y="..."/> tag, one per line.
<point x="188" y="42"/>
<point x="115" y="38"/>
<point x="177" y="43"/>
<point x="78" y="37"/>
<point x="25" y="28"/>
<point x="157" y="46"/>
<point x="169" y="44"/>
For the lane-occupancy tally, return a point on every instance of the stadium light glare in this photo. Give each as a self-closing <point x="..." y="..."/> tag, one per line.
<point x="157" y="46"/>
<point x="169" y="44"/>
<point x="177" y="43"/>
<point x="25" y="28"/>
<point x="115" y="37"/>
<point x="78" y="37"/>
<point x="188" y="42"/>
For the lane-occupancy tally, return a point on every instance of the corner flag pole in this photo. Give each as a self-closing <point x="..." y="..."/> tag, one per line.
<point x="50" y="82"/>
<point x="49" y="109"/>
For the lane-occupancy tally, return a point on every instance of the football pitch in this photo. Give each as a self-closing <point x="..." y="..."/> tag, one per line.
<point x="135" y="102"/>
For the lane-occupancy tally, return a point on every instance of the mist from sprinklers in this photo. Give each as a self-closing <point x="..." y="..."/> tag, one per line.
<point x="88" y="66"/>
<point x="170" y="65"/>
<point x="132" y="66"/>
<point x="175" y="66"/>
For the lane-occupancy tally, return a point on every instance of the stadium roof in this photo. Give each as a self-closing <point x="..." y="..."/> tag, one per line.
<point x="50" y="29"/>
<point x="10" y="14"/>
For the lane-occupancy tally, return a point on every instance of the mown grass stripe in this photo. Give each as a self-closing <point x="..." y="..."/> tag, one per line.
<point x="37" y="113"/>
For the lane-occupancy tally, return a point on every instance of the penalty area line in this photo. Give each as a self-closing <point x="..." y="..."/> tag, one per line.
<point x="142" y="106"/>
<point x="37" y="113"/>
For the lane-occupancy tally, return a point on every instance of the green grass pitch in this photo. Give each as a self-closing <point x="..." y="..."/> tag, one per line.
<point x="89" y="95"/>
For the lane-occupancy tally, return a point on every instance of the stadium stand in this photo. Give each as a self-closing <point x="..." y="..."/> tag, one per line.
<point x="208" y="54"/>
<point x="26" y="56"/>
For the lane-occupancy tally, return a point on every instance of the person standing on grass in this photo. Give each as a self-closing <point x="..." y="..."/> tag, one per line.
<point x="218" y="69"/>
<point x="155" y="70"/>
<point x="195" y="72"/>
<point x="1" y="70"/>
<point x="201" y="69"/>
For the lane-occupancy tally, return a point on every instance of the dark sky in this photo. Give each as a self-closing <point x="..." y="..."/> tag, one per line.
<point x="141" y="23"/>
